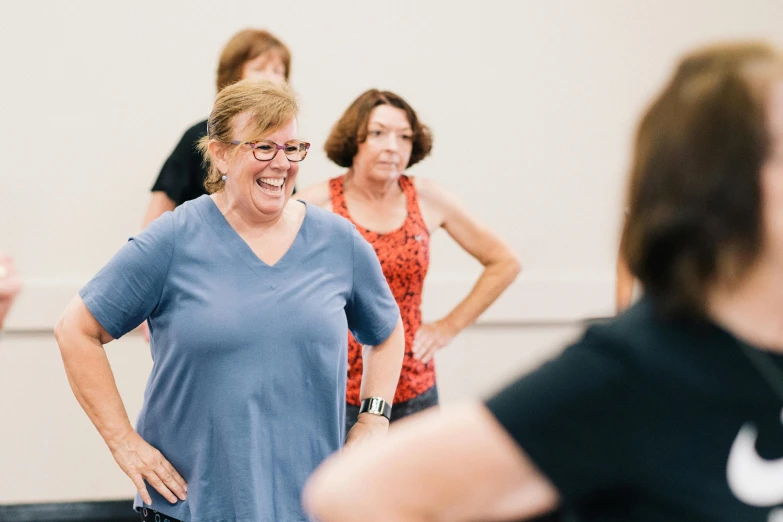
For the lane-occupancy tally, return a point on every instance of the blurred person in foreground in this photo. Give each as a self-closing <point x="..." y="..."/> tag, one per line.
<point x="671" y="411"/>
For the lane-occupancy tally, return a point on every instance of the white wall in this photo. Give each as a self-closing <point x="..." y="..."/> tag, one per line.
<point x="96" y="94"/>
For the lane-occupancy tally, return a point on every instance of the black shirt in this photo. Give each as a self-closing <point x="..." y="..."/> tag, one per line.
<point x="182" y="176"/>
<point x="637" y="421"/>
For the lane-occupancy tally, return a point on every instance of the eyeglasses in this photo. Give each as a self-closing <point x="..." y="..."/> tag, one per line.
<point x="265" y="150"/>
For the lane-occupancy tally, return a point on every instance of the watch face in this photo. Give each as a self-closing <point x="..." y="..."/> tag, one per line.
<point x="376" y="406"/>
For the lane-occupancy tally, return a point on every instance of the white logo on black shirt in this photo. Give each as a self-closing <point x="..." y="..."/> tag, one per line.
<point x="752" y="479"/>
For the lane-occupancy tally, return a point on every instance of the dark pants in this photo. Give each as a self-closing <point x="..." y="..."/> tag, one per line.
<point x="150" y="515"/>
<point x="428" y="399"/>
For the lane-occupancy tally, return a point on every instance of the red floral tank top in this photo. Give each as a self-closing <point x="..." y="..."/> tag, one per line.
<point x="404" y="255"/>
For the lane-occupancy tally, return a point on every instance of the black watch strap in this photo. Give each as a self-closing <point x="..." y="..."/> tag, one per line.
<point x="376" y="406"/>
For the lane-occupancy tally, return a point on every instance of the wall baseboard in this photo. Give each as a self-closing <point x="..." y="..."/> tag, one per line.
<point x="532" y="299"/>
<point x="99" y="511"/>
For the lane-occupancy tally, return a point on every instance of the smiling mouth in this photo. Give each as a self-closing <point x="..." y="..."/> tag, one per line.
<point x="271" y="185"/>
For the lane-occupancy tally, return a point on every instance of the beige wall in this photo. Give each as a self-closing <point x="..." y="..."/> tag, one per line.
<point x="49" y="450"/>
<point x="96" y="94"/>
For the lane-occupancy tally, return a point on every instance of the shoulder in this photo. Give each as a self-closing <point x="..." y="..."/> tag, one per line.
<point x="431" y="193"/>
<point x="643" y="338"/>
<point x="317" y="195"/>
<point x="197" y="131"/>
<point x="328" y="221"/>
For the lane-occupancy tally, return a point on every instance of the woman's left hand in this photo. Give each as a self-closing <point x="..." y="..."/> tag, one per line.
<point x="368" y="428"/>
<point x="430" y="338"/>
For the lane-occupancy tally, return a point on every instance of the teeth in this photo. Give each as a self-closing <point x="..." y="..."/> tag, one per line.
<point x="275" y="182"/>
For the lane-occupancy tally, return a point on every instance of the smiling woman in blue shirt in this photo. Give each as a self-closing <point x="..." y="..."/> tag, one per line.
<point x="248" y="294"/>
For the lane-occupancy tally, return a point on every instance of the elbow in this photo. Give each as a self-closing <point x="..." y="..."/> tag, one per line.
<point x="514" y="265"/>
<point x="60" y="330"/>
<point x="510" y="266"/>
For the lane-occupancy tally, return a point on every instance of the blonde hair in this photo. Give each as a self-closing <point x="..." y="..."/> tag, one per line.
<point x="270" y="107"/>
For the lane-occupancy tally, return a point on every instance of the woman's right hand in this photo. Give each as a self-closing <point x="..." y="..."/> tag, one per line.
<point x="140" y="461"/>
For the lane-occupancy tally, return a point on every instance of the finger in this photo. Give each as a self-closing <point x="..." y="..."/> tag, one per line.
<point x="416" y="345"/>
<point x="419" y="343"/>
<point x="142" y="489"/>
<point x="427" y="357"/>
<point x="160" y="487"/>
<point x="171" y="479"/>
<point x="423" y="349"/>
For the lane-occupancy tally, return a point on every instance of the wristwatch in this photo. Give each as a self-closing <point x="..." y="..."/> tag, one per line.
<point x="376" y="406"/>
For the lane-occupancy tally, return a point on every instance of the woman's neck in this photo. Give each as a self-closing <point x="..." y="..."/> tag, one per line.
<point x="752" y="309"/>
<point x="245" y="221"/>
<point x="371" y="190"/>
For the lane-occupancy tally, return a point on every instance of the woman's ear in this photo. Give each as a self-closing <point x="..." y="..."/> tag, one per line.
<point x="220" y="155"/>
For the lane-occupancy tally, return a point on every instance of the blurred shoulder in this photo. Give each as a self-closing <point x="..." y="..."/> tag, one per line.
<point x="432" y="193"/>
<point x="197" y="131"/>
<point x="328" y="221"/>
<point x="317" y="195"/>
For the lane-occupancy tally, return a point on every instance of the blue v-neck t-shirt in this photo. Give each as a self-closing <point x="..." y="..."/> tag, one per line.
<point x="247" y="391"/>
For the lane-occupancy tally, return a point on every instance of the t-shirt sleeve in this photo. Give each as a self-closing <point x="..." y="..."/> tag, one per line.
<point x="575" y="416"/>
<point x="183" y="173"/>
<point x="371" y="309"/>
<point x="128" y="289"/>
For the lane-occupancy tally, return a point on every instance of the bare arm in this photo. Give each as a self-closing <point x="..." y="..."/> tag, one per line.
<point x="623" y="285"/>
<point x="501" y="266"/>
<point x="159" y="203"/>
<point x="454" y="465"/>
<point x="382" y="365"/>
<point x="81" y="339"/>
<point x="10" y="286"/>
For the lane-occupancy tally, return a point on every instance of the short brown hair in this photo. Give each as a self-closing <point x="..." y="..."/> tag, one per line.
<point x="269" y="106"/>
<point x="245" y="46"/>
<point x="351" y="129"/>
<point x="694" y="202"/>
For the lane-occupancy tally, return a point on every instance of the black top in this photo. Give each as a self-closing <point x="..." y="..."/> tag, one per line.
<point x="182" y="176"/>
<point x="649" y="419"/>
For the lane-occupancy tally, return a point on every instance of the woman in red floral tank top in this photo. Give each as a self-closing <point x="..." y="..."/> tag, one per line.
<point x="378" y="137"/>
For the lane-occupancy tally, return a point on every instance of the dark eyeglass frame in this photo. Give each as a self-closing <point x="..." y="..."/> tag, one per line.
<point x="255" y="144"/>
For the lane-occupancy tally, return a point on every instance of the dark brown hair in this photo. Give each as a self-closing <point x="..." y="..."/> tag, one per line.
<point x="694" y="202"/>
<point x="351" y="129"/>
<point x="245" y="46"/>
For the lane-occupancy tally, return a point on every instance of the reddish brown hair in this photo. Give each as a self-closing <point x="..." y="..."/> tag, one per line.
<point x="351" y="129"/>
<point x="245" y="46"/>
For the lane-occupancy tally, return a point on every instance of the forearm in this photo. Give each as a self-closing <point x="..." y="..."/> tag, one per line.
<point x="382" y="365"/>
<point x="159" y="204"/>
<point x="497" y="276"/>
<point x="92" y="382"/>
<point x="456" y="465"/>
<point x="5" y="307"/>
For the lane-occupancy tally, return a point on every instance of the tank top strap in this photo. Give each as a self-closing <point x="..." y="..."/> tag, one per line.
<point x="412" y="199"/>
<point x="337" y="196"/>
